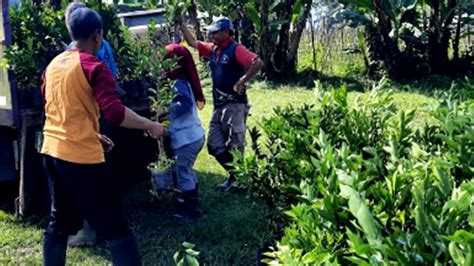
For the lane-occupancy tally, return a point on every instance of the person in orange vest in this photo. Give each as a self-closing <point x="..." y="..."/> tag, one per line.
<point x="76" y="86"/>
<point x="87" y="235"/>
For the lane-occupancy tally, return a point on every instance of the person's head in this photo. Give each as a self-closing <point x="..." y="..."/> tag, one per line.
<point x="71" y="8"/>
<point x="85" y="27"/>
<point x="186" y="68"/>
<point x="220" y="30"/>
<point x="184" y="58"/>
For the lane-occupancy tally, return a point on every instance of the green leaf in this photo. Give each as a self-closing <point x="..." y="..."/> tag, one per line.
<point x="253" y="14"/>
<point x="364" y="217"/>
<point x="456" y="253"/>
<point x="310" y="257"/>
<point x="344" y="178"/>
<point x="192" y="252"/>
<point x="188" y="245"/>
<point x="277" y="23"/>
<point x="297" y="10"/>
<point x="176" y="256"/>
<point x="192" y="261"/>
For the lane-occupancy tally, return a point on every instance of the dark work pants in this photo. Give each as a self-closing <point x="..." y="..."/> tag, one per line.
<point x="227" y="132"/>
<point x="84" y="191"/>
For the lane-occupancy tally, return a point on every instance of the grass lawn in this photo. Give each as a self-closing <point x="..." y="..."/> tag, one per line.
<point x="231" y="232"/>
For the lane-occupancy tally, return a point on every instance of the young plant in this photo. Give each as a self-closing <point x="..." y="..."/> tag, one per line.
<point x="152" y="66"/>
<point x="186" y="255"/>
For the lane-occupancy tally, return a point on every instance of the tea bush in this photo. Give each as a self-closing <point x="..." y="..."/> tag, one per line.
<point x="366" y="184"/>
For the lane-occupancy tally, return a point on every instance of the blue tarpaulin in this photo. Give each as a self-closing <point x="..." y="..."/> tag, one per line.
<point x="7" y="160"/>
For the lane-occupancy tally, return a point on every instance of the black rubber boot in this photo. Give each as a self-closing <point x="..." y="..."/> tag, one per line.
<point x="124" y="251"/>
<point x="54" y="249"/>
<point x="188" y="206"/>
<point x="224" y="159"/>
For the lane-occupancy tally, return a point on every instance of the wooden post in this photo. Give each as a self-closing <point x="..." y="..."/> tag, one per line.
<point x="34" y="191"/>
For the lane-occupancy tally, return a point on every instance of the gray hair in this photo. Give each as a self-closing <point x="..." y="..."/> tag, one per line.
<point x="71" y="8"/>
<point x="84" y="22"/>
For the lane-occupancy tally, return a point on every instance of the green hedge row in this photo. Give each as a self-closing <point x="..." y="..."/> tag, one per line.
<point x="367" y="184"/>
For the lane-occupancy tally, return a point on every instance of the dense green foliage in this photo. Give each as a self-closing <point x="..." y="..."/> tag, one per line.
<point x="411" y="38"/>
<point x="39" y="34"/>
<point x="367" y="184"/>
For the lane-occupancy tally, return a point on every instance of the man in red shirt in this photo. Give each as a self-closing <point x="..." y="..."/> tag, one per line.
<point x="232" y="66"/>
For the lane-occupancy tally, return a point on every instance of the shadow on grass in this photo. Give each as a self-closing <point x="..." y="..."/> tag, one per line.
<point x="231" y="233"/>
<point x="430" y="86"/>
<point x="307" y="78"/>
<point x="233" y="228"/>
<point x="436" y="85"/>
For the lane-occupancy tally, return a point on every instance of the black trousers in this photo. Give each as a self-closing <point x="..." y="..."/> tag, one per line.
<point x="84" y="191"/>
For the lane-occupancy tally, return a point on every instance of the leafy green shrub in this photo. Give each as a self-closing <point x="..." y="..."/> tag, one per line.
<point x="293" y="148"/>
<point x="38" y="35"/>
<point x="364" y="185"/>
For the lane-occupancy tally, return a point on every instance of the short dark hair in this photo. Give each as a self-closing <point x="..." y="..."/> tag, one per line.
<point x="83" y="22"/>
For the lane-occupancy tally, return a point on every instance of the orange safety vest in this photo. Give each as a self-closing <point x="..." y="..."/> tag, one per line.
<point x="71" y="129"/>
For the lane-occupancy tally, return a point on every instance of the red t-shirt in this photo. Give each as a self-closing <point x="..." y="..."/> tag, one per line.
<point x="243" y="55"/>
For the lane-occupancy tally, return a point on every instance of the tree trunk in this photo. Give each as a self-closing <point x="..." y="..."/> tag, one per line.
<point x="194" y="20"/>
<point x="392" y="53"/>
<point x="295" y="37"/>
<point x="266" y="46"/>
<point x="446" y="33"/>
<point x="375" y="45"/>
<point x="281" y="53"/>
<point x="313" y="45"/>
<point x="439" y="35"/>
<point x="457" y="36"/>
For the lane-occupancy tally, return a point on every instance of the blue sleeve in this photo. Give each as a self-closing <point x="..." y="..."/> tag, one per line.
<point x="183" y="101"/>
<point x="105" y="54"/>
<point x="111" y="61"/>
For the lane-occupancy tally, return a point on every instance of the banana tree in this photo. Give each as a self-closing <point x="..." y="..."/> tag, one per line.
<point x="441" y="20"/>
<point x="279" y="26"/>
<point x="386" y="23"/>
<point x="424" y="27"/>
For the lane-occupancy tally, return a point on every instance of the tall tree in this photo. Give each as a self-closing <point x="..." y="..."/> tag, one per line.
<point x="295" y="35"/>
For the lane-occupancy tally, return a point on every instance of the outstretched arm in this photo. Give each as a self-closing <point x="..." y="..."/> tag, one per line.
<point x="188" y="36"/>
